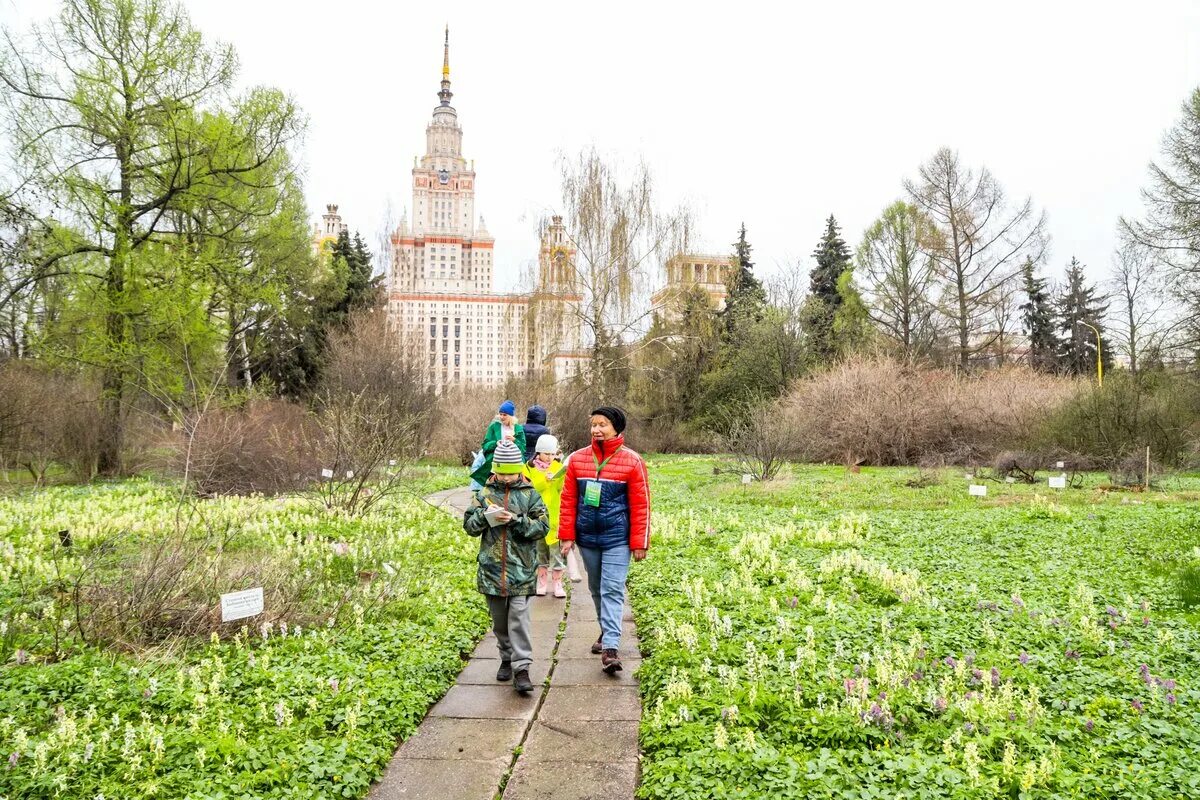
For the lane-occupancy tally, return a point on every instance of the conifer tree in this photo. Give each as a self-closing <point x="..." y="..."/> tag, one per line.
<point x="824" y="300"/>
<point x="1037" y="314"/>
<point x="746" y="299"/>
<point x="1078" y="308"/>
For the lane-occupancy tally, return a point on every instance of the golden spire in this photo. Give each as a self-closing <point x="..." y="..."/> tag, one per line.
<point x="446" y="58"/>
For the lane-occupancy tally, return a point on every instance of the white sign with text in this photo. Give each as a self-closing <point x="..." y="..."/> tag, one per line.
<point x="978" y="490"/>
<point x="1058" y="482"/>
<point x="239" y="605"/>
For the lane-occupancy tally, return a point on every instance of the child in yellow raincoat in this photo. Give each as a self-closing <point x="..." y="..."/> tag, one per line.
<point x="546" y="473"/>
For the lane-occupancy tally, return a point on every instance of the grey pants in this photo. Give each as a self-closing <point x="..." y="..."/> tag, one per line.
<point x="510" y="621"/>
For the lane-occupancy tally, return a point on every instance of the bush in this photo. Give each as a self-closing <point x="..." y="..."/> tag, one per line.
<point x="266" y="446"/>
<point x="46" y="417"/>
<point x="1128" y="414"/>
<point x="880" y="411"/>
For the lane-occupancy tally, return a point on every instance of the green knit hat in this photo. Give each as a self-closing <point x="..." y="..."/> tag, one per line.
<point x="507" y="459"/>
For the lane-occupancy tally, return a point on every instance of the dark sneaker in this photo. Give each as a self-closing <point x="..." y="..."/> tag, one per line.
<point x="522" y="683"/>
<point x="505" y="672"/>
<point x="598" y="648"/>
<point x="610" y="662"/>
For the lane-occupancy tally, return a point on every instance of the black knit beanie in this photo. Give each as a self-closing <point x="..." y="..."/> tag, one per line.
<point x="615" y="415"/>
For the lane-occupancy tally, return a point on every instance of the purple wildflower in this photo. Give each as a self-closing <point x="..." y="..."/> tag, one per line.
<point x="921" y="653"/>
<point x="1137" y="705"/>
<point x="940" y="705"/>
<point x="882" y="696"/>
<point x="793" y="602"/>
<point x="1012" y="717"/>
<point x="919" y="675"/>
<point x="1017" y="601"/>
<point x="850" y="685"/>
<point x="970" y="659"/>
<point x="13" y="759"/>
<point x="1170" y="698"/>
<point x="976" y="676"/>
<point x="1073" y="655"/>
<point x="333" y="685"/>
<point x="1145" y="620"/>
<point x="1112" y="612"/>
<point x="1089" y="725"/>
<point x="968" y="727"/>
<point x="1169" y="684"/>
<point x="1144" y="671"/>
<point x="1112" y="623"/>
<point x="950" y="662"/>
<point x="995" y="677"/>
<point x="1023" y="658"/>
<point x="22" y="657"/>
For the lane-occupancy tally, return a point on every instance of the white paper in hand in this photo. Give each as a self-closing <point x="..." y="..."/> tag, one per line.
<point x="493" y="515"/>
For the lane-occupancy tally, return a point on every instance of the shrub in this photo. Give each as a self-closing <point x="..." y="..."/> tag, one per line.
<point x="761" y="439"/>
<point x="1128" y="414"/>
<point x="46" y="417"/>
<point x="266" y="446"/>
<point x="880" y="411"/>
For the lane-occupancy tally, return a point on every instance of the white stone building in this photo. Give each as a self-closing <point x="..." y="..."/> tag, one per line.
<point x="440" y="286"/>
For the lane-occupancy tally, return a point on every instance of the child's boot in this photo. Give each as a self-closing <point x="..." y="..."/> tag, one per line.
<point x="559" y="591"/>
<point x="541" y="582"/>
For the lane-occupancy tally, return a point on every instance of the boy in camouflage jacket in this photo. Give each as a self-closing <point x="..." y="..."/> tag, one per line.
<point x="507" y="572"/>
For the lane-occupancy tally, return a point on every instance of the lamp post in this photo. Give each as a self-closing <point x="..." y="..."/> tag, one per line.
<point x="1099" y="354"/>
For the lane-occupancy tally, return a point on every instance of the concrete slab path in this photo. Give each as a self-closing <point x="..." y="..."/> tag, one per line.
<point x="577" y="732"/>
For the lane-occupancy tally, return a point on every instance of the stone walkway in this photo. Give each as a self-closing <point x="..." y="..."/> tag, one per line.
<point x="577" y="732"/>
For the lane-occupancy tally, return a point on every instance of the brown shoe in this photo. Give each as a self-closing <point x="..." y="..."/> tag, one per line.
<point x="610" y="662"/>
<point x="597" y="647"/>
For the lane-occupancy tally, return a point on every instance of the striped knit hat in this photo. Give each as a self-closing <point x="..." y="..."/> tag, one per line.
<point x="507" y="459"/>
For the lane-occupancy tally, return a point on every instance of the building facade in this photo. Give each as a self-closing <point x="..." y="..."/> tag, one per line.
<point x="689" y="270"/>
<point x="325" y="233"/>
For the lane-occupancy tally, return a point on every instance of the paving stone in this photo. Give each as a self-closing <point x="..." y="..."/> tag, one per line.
<point x="439" y="779"/>
<point x="566" y="703"/>
<point x="577" y="643"/>
<point x="587" y="672"/>
<point x="464" y="739"/>
<point x="486" y="702"/>
<point x="553" y="780"/>
<point x="543" y="645"/>
<point x="586" y="610"/>
<point x="547" y="608"/>
<point x="482" y="672"/>
<point x="610" y="741"/>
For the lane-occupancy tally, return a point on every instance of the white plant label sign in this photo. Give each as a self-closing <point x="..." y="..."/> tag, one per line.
<point x="391" y="462"/>
<point x="239" y="605"/>
<point x="747" y="478"/>
<point x="1060" y="465"/>
<point x="978" y="490"/>
<point x="1058" y="482"/>
<point x="349" y="474"/>
<point x="1010" y="479"/>
<point x="326" y="473"/>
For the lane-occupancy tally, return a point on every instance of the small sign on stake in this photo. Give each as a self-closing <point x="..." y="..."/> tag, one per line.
<point x="747" y="479"/>
<point x="1060" y="465"/>
<point x="391" y="462"/>
<point x="349" y="474"/>
<point x="1058" y="482"/>
<point x="326" y="473"/>
<point x="239" y="605"/>
<point x="977" y="490"/>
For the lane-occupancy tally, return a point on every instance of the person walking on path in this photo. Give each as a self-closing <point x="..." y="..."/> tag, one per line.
<point x="509" y="517"/>
<point x="547" y="474"/>
<point x="504" y="428"/>
<point x="606" y="514"/>
<point x="535" y="428"/>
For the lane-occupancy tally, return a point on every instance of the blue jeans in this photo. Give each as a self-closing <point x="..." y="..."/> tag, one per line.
<point x="606" y="571"/>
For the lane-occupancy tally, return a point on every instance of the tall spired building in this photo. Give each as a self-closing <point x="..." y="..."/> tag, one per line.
<point x="441" y="282"/>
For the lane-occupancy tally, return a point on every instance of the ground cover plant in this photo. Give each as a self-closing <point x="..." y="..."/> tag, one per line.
<point x="884" y="635"/>
<point x="304" y="703"/>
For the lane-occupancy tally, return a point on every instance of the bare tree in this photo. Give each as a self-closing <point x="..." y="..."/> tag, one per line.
<point x="1144" y="319"/>
<point x="1171" y="227"/>
<point x="899" y="279"/>
<point x="621" y="240"/>
<point x="977" y="243"/>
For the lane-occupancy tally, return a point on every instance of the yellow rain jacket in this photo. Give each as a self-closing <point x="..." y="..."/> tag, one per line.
<point x="551" y="491"/>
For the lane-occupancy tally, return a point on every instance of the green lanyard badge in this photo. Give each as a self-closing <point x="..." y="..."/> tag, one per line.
<point x="591" y="491"/>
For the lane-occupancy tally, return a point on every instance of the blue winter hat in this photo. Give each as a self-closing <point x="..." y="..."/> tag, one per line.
<point x="507" y="407"/>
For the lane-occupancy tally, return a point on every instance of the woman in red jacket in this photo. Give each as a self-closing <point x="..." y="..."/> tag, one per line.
<point x="606" y="514"/>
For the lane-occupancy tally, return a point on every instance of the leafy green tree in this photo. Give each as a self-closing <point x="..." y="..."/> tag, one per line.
<point x="1037" y="314"/>
<point x="119" y="115"/>
<point x="1081" y="314"/>
<point x="899" y="279"/>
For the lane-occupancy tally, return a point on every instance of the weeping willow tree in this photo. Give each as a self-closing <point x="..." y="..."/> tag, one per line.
<point x="619" y="241"/>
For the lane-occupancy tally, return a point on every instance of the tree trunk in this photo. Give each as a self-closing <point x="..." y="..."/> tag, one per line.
<point x="112" y="426"/>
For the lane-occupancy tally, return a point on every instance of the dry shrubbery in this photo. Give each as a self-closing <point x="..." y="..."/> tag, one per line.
<point x="48" y="416"/>
<point x="882" y="412"/>
<point x="265" y="446"/>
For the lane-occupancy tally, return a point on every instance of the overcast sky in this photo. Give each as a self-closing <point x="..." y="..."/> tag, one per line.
<point x="747" y="113"/>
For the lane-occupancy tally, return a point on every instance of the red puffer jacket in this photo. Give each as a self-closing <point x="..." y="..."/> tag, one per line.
<point x="623" y="516"/>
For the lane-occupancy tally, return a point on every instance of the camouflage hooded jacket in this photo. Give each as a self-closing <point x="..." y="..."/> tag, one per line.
<point x="508" y="553"/>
